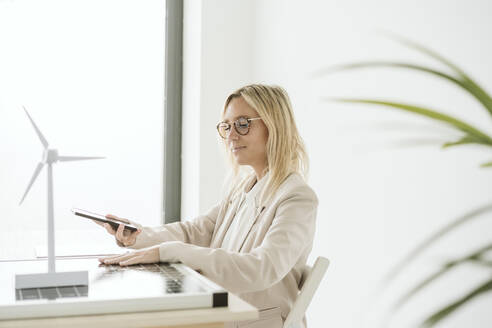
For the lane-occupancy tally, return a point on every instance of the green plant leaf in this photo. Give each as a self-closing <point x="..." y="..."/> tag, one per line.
<point x="478" y="91"/>
<point x="476" y="134"/>
<point x="462" y="141"/>
<point x="484" y="263"/>
<point x="371" y="64"/>
<point x="449" y="309"/>
<point x="420" y="48"/>
<point x="474" y="256"/>
<point x="488" y="164"/>
<point x="466" y="84"/>
<point x="432" y="239"/>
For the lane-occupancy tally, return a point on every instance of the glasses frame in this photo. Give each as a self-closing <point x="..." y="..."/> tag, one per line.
<point x="236" y="123"/>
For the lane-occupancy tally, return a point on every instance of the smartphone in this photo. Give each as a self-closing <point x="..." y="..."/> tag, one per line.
<point x="101" y="218"/>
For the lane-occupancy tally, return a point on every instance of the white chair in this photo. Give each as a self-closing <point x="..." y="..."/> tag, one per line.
<point x="310" y="280"/>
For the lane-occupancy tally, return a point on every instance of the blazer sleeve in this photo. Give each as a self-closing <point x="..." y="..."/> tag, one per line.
<point x="291" y="231"/>
<point x="197" y="231"/>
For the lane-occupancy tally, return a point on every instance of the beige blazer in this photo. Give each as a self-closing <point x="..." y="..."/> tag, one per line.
<point x="265" y="267"/>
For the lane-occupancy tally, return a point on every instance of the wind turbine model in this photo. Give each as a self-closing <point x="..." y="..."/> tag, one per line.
<point x="51" y="278"/>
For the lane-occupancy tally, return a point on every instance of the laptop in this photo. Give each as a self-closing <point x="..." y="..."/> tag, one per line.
<point x="111" y="289"/>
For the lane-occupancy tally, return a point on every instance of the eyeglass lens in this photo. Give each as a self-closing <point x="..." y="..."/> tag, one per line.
<point x="241" y="125"/>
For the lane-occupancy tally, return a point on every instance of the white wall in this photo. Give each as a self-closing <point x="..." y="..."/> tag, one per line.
<point x="217" y="60"/>
<point x="378" y="196"/>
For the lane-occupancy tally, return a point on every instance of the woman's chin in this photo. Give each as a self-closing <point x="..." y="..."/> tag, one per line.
<point x="240" y="160"/>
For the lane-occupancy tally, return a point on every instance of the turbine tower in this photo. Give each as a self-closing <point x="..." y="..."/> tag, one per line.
<point x="51" y="278"/>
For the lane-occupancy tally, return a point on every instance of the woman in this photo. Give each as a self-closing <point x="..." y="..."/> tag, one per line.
<point x="256" y="241"/>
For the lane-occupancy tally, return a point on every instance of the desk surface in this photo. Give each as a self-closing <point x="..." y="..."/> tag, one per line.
<point x="237" y="310"/>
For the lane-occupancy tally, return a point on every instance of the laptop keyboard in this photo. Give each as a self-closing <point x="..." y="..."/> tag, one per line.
<point x="173" y="278"/>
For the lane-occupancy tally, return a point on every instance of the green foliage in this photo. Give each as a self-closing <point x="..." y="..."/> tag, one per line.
<point x="470" y="135"/>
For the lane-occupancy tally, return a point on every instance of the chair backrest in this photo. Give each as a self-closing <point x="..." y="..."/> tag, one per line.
<point x="310" y="280"/>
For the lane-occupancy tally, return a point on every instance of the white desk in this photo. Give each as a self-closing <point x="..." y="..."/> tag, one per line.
<point x="205" y="318"/>
<point x="22" y="245"/>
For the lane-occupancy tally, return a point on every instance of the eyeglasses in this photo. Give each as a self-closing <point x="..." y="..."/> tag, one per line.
<point x="241" y="125"/>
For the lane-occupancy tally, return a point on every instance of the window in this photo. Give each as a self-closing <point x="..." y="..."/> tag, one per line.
<point x="91" y="75"/>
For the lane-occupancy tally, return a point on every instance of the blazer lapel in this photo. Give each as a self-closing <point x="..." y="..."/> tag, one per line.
<point x="226" y="222"/>
<point x="258" y="209"/>
<point x="238" y="244"/>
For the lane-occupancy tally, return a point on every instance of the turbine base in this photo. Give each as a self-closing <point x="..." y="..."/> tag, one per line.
<point x="51" y="279"/>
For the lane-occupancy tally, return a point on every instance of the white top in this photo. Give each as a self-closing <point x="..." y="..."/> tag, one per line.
<point x="244" y="214"/>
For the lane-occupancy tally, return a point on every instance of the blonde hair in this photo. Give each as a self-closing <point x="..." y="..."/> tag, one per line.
<point x="285" y="149"/>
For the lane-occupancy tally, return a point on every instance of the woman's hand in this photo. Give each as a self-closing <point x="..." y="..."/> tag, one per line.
<point x="124" y="238"/>
<point x="147" y="255"/>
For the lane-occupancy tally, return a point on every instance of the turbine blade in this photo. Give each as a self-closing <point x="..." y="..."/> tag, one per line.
<point x="76" y="158"/>
<point x="34" y="176"/>
<point x="40" y="135"/>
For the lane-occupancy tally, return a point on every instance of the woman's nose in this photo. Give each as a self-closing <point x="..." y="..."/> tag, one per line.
<point x="232" y="134"/>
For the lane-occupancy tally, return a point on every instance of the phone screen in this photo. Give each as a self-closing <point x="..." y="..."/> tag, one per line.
<point x="101" y="218"/>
